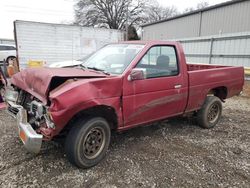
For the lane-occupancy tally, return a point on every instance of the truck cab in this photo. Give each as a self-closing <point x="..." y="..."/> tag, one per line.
<point x="161" y="91"/>
<point x="119" y="87"/>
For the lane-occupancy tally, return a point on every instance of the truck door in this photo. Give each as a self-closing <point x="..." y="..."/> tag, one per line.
<point x="161" y="93"/>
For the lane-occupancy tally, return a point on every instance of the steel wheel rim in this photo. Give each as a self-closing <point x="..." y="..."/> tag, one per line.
<point x="94" y="143"/>
<point x="213" y="113"/>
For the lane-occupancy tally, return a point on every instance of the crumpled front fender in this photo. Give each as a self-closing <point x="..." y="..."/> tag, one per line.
<point x="77" y="96"/>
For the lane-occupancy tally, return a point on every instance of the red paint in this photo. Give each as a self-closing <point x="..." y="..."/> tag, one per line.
<point x="36" y="81"/>
<point x="135" y="102"/>
<point x="2" y="106"/>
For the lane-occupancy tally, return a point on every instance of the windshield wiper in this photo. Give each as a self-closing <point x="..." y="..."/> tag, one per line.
<point x="97" y="69"/>
<point x="82" y="66"/>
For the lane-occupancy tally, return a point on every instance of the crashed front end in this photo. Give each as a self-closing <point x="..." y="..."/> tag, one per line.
<point x="33" y="119"/>
<point x="42" y="98"/>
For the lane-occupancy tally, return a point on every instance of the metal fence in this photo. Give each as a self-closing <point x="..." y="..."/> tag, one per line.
<point x="223" y="50"/>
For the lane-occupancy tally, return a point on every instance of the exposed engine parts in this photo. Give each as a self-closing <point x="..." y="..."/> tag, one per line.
<point x="38" y="115"/>
<point x="37" y="109"/>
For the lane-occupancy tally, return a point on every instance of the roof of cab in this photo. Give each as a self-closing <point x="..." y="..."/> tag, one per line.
<point x="150" y="42"/>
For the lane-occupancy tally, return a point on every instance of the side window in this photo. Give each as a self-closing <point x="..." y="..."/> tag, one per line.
<point x="11" y="48"/>
<point x="159" y="61"/>
<point x="4" y="48"/>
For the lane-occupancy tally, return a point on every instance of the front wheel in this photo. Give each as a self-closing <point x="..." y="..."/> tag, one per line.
<point x="210" y="113"/>
<point x="87" y="142"/>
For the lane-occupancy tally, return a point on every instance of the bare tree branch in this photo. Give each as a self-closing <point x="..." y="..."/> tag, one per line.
<point x="109" y="13"/>
<point x="201" y="5"/>
<point x="114" y="14"/>
<point x="156" y="12"/>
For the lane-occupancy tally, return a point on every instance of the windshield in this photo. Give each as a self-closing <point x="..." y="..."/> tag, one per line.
<point x="84" y="58"/>
<point x="114" y="58"/>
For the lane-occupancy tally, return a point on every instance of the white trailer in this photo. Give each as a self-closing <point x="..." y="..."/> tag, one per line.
<point x="51" y="43"/>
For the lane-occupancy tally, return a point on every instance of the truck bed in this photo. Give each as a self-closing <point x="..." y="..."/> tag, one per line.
<point x="206" y="78"/>
<point x="194" y="67"/>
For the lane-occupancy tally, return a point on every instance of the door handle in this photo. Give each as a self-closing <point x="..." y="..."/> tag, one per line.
<point x="177" y="86"/>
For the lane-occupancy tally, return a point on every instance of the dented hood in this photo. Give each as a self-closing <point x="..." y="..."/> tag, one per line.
<point x="38" y="81"/>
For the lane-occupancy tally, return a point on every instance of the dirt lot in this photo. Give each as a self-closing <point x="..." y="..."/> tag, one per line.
<point x="175" y="153"/>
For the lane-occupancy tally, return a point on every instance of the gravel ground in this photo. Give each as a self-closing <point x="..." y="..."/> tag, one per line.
<point x="174" y="153"/>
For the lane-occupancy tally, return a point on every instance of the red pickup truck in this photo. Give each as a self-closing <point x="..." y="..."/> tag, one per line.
<point x="119" y="87"/>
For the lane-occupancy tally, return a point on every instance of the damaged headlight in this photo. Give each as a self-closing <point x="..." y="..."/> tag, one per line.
<point x="37" y="109"/>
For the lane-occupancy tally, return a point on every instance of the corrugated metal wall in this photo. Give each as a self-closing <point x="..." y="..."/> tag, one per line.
<point x="217" y="35"/>
<point x="231" y="18"/>
<point x="58" y="42"/>
<point x="173" y="28"/>
<point x="223" y="49"/>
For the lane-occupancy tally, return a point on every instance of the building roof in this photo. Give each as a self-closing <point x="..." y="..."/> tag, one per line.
<point x="196" y="11"/>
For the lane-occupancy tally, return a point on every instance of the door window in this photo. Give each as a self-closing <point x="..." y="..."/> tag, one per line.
<point x="159" y="61"/>
<point x="5" y="48"/>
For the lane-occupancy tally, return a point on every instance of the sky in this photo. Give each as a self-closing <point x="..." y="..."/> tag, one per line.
<point x="58" y="11"/>
<point x="183" y="4"/>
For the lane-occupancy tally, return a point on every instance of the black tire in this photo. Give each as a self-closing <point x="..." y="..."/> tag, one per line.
<point x="210" y="113"/>
<point x="87" y="142"/>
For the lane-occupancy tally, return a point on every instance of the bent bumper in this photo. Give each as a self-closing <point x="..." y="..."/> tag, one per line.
<point x="31" y="140"/>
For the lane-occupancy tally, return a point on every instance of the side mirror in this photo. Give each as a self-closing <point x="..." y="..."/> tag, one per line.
<point x="137" y="74"/>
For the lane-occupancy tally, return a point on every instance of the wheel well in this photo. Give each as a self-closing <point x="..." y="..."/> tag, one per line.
<point x="11" y="56"/>
<point x="220" y="92"/>
<point x="106" y="112"/>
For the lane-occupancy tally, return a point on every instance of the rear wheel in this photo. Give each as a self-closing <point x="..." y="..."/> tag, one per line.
<point x="87" y="142"/>
<point x="210" y="113"/>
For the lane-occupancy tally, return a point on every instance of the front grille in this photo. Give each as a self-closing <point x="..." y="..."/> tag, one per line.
<point x="24" y="99"/>
<point x="21" y="97"/>
<point x="13" y="110"/>
<point x="33" y="108"/>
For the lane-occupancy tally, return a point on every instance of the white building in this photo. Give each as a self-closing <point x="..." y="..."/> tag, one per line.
<point x="218" y="34"/>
